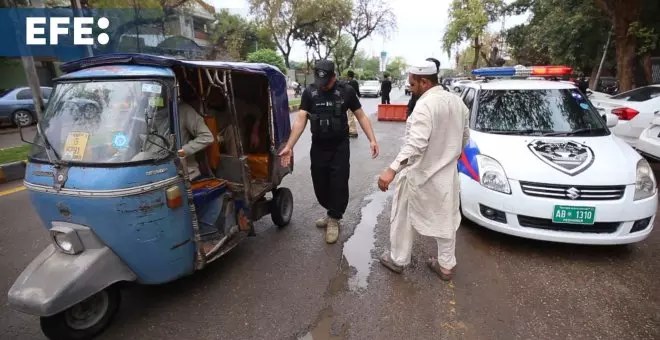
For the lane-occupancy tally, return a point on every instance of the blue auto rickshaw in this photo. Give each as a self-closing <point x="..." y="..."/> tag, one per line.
<point x="109" y="179"/>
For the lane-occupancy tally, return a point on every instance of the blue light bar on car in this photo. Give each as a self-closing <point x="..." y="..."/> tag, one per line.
<point x="522" y="71"/>
<point x="494" y="72"/>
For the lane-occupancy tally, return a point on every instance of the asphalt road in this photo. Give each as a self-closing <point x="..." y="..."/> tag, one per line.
<point x="9" y="136"/>
<point x="289" y="284"/>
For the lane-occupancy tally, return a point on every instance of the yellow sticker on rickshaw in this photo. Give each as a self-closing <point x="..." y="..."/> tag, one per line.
<point x="75" y="145"/>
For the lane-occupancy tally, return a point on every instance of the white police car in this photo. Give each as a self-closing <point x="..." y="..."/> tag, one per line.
<point x="542" y="164"/>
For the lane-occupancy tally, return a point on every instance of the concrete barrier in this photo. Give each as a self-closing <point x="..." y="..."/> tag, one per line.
<point x="12" y="171"/>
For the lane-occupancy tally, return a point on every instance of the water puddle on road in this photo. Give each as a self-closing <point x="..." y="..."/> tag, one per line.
<point x="326" y="329"/>
<point x="357" y="250"/>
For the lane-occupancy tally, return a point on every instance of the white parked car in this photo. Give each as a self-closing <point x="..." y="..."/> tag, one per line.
<point x="635" y="109"/>
<point x="458" y="85"/>
<point x="649" y="140"/>
<point x="370" y="88"/>
<point x="542" y="164"/>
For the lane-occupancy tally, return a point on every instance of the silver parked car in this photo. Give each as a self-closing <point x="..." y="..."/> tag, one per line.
<point x="17" y="105"/>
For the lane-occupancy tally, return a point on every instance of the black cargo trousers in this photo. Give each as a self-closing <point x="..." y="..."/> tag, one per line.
<point x="331" y="169"/>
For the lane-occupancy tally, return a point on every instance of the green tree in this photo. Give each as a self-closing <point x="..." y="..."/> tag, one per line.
<point x="369" y="17"/>
<point x="284" y="19"/>
<point x="396" y="67"/>
<point x="468" y="21"/>
<point x="326" y="33"/>
<point x="269" y="57"/>
<point x="341" y="52"/>
<point x="636" y="28"/>
<point x="570" y="32"/>
<point x="233" y="37"/>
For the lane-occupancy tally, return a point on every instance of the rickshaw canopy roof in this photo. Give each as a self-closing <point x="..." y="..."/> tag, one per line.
<point x="145" y="65"/>
<point x="159" y="61"/>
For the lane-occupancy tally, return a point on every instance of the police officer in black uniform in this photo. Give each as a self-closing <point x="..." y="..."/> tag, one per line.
<point x="325" y="104"/>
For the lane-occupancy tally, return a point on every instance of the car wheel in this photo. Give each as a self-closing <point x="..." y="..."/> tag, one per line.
<point x="22" y="118"/>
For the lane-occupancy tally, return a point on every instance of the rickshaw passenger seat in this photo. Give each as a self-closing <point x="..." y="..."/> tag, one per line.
<point x="206" y="190"/>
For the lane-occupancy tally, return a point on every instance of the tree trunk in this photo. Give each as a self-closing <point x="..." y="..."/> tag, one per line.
<point x="285" y="53"/>
<point x="592" y="78"/>
<point x="349" y="60"/>
<point x="647" y="65"/>
<point x="625" y="54"/>
<point x="477" y="50"/>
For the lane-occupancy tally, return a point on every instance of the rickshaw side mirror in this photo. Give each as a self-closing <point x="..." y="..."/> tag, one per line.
<point x="20" y="132"/>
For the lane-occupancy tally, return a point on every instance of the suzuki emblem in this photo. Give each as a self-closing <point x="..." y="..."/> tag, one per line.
<point x="573" y="193"/>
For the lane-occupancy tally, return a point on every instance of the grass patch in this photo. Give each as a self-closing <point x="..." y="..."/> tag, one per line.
<point x="14" y="154"/>
<point x="294" y="101"/>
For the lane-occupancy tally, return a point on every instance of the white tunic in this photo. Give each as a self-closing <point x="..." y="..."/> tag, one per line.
<point x="436" y="133"/>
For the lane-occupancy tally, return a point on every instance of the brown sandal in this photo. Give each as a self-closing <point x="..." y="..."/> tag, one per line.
<point x="386" y="261"/>
<point x="435" y="267"/>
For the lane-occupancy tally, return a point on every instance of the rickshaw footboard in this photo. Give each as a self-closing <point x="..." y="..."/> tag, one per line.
<point x="55" y="281"/>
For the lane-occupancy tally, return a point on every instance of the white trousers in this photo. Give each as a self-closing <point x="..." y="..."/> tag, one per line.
<point x="402" y="234"/>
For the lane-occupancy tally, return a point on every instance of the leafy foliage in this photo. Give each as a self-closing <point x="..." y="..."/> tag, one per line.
<point x="570" y="32"/>
<point x="234" y="37"/>
<point x="269" y="57"/>
<point x="396" y="67"/>
<point x="468" y="21"/>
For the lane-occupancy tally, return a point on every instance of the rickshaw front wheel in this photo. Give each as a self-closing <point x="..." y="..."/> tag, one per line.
<point x="282" y="207"/>
<point x="84" y="320"/>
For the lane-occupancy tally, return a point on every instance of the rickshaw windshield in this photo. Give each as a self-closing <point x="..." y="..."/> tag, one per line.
<point x="105" y="122"/>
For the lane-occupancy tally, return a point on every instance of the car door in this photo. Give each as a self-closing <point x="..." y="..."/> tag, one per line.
<point x="24" y="100"/>
<point x="7" y="100"/>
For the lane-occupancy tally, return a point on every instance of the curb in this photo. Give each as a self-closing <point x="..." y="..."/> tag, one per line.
<point x="12" y="171"/>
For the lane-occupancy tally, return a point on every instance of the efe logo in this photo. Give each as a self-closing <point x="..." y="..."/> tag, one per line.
<point x="58" y="26"/>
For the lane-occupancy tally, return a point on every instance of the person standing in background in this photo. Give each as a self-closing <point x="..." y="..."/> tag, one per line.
<point x="352" y="122"/>
<point x="385" y="89"/>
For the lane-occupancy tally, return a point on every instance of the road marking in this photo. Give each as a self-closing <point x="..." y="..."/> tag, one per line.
<point x="12" y="191"/>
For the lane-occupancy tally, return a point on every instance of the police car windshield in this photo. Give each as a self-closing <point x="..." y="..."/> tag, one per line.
<point x="551" y="112"/>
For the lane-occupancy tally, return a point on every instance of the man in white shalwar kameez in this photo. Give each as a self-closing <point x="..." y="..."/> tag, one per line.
<point x="426" y="197"/>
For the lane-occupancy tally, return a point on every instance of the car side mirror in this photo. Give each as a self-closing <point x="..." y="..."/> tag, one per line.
<point x="610" y="120"/>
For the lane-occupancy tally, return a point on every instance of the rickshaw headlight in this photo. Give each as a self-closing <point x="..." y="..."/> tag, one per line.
<point x="66" y="240"/>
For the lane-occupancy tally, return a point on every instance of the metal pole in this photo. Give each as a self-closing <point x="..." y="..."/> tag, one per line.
<point x="33" y="82"/>
<point x="602" y="60"/>
<point x="32" y="78"/>
<point x="77" y="9"/>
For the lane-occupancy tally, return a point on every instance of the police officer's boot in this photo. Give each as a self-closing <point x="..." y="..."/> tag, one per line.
<point x="332" y="231"/>
<point x="322" y="222"/>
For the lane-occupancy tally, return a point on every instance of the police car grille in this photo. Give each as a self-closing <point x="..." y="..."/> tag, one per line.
<point x="547" y="224"/>
<point x="583" y="192"/>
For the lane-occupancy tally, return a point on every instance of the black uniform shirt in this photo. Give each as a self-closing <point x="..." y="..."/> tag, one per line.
<point x="354" y="84"/>
<point x="351" y="101"/>
<point x="386" y="86"/>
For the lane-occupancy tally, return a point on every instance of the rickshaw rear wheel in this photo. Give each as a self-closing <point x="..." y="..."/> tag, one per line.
<point x="282" y="207"/>
<point x="84" y="320"/>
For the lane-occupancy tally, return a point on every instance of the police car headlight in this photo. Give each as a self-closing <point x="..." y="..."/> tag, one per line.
<point x="492" y="175"/>
<point x="645" y="184"/>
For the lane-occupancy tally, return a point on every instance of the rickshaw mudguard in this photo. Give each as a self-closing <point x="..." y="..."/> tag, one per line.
<point x="55" y="281"/>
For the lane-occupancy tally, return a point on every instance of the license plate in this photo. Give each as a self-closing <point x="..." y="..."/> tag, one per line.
<point x="574" y="215"/>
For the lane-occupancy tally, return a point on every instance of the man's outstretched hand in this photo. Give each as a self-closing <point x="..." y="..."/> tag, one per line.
<point x="285" y="156"/>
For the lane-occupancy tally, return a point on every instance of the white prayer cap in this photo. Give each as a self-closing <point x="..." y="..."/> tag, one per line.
<point x="423" y="68"/>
